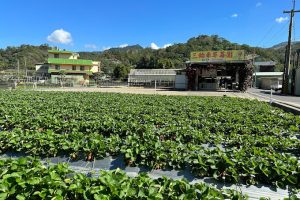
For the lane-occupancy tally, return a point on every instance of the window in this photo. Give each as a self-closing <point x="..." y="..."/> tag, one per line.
<point x="56" y="55"/>
<point x="81" y="68"/>
<point x="74" y="68"/>
<point x="57" y="67"/>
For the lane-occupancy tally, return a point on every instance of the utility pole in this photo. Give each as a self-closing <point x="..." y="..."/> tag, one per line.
<point x="18" y="70"/>
<point x="25" y="67"/>
<point x="285" y="85"/>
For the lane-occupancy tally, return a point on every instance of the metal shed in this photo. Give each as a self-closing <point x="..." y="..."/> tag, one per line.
<point x="148" y="77"/>
<point x="268" y="66"/>
<point x="264" y="80"/>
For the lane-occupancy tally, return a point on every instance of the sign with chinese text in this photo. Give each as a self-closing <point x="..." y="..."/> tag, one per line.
<point x="206" y="56"/>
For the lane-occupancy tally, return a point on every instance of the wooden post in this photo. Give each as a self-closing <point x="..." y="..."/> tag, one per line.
<point x="197" y="79"/>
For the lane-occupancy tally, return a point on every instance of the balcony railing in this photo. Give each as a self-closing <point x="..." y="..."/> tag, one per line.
<point x="70" y="71"/>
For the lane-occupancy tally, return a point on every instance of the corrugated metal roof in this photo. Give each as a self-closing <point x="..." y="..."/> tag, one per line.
<point x="268" y="74"/>
<point x="153" y="72"/>
<point x="268" y="63"/>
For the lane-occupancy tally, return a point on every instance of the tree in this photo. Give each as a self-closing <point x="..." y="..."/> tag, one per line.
<point x="62" y="74"/>
<point x="121" y="71"/>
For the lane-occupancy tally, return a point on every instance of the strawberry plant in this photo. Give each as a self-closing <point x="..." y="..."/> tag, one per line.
<point x="27" y="178"/>
<point x="230" y="139"/>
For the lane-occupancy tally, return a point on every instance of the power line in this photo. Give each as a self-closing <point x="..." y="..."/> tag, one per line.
<point x="276" y="34"/>
<point x="267" y="33"/>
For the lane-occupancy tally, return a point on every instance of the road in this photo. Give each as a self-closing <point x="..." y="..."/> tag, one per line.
<point x="292" y="100"/>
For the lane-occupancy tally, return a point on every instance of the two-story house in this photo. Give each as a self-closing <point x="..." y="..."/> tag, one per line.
<point x="67" y="64"/>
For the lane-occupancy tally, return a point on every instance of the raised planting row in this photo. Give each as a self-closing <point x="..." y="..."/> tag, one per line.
<point x="28" y="178"/>
<point x="230" y="139"/>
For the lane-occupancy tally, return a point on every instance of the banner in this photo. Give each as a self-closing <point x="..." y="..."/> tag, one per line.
<point x="210" y="56"/>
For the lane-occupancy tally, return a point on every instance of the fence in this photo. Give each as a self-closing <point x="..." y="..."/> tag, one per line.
<point x="44" y="82"/>
<point x="112" y="83"/>
<point x="152" y="83"/>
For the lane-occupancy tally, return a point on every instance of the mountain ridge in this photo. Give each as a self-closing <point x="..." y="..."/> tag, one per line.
<point x="135" y="56"/>
<point x="283" y="44"/>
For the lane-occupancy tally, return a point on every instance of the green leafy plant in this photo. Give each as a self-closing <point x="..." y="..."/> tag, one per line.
<point x="27" y="178"/>
<point x="229" y="139"/>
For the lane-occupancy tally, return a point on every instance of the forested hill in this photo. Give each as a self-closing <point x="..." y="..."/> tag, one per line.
<point x="28" y="54"/>
<point x="282" y="45"/>
<point x="175" y="55"/>
<point x="137" y="56"/>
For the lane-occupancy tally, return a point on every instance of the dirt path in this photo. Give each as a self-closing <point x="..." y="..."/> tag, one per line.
<point x="138" y="90"/>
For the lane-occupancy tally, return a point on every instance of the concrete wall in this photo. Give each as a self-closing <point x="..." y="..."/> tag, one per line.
<point x="75" y="79"/>
<point x="96" y="67"/>
<point x="41" y="69"/>
<point x="266" y="83"/>
<point x="297" y="82"/>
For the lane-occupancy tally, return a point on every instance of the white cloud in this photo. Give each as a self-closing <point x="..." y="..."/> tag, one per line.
<point x="60" y="36"/>
<point x="90" y="46"/>
<point x="123" y="45"/>
<point x="167" y="45"/>
<point x="235" y="15"/>
<point x="281" y="19"/>
<point x="259" y="4"/>
<point x="154" y="46"/>
<point x="105" y="48"/>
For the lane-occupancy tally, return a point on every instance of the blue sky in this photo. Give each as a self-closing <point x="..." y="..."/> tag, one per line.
<point x="94" y="25"/>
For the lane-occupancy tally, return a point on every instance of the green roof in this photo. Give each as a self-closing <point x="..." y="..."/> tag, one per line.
<point x="61" y="61"/>
<point x="60" y="51"/>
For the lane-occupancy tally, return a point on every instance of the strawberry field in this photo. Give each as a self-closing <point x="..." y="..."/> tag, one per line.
<point x="27" y="178"/>
<point x="230" y="139"/>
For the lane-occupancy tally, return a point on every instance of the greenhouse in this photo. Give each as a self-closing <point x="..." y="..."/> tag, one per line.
<point x="150" y="77"/>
